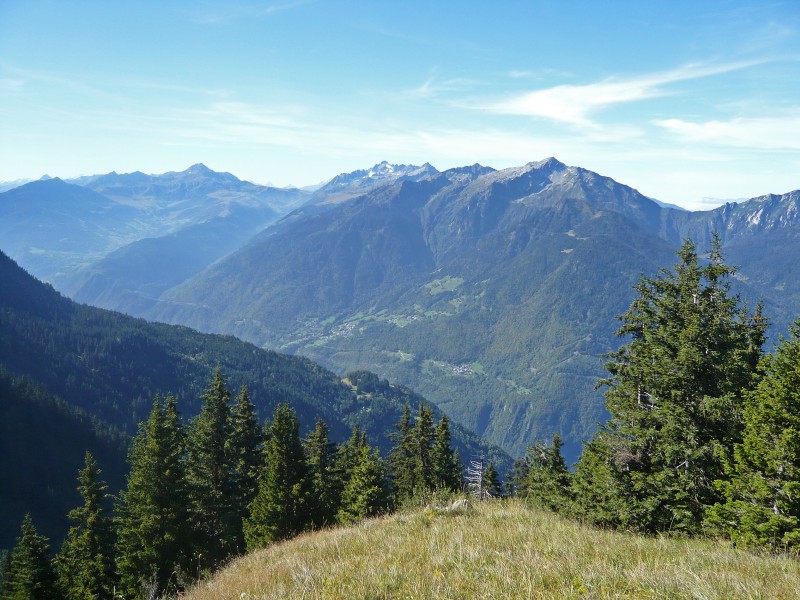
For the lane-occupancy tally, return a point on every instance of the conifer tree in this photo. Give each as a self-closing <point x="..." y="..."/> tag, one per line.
<point x="282" y="507"/>
<point x="518" y="477"/>
<point x="762" y="505"/>
<point x="348" y="453"/>
<point x="30" y="574"/>
<point x="547" y="482"/>
<point x="445" y="463"/>
<point x="244" y="448"/>
<point x="422" y="442"/>
<point x="491" y="481"/>
<point x="673" y="393"/>
<point x="5" y="569"/>
<point x="326" y="480"/>
<point x="209" y="476"/>
<point x="366" y="491"/>
<point x="401" y="459"/>
<point x="151" y="515"/>
<point x="601" y="492"/>
<point x="85" y="565"/>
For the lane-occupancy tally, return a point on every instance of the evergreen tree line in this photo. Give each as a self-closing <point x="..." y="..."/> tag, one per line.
<point x="704" y="428"/>
<point x="200" y="494"/>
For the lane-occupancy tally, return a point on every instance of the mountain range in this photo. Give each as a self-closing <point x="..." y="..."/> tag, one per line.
<point x="494" y="293"/>
<point x="74" y="233"/>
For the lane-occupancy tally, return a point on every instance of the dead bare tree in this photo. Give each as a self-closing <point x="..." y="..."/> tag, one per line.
<point x="475" y="482"/>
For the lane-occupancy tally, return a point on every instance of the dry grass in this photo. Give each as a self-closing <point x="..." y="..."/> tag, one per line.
<point x="500" y="550"/>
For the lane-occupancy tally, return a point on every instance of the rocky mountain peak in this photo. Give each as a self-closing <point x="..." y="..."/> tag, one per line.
<point x="199" y="169"/>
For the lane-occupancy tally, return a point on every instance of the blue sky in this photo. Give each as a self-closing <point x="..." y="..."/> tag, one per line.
<point x="685" y="101"/>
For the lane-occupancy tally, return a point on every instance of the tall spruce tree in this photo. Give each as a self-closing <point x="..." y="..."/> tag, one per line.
<point x="445" y="463"/>
<point x="153" y="553"/>
<point x="244" y="448"/>
<point x="347" y="454"/>
<point x="326" y="480"/>
<point x="30" y="574"/>
<point x="366" y="491"/>
<point x="85" y="565"/>
<point x="547" y="482"/>
<point x="422" y="442"/>
<point x="401" y="459"/>
<point x="674" y="394"/>
<point x="5" y="570"/>
<point x="282" y="507"/>
<point x="762" y="506"/>
<point x="601" y="494"/>
<point x="209" y="476"/>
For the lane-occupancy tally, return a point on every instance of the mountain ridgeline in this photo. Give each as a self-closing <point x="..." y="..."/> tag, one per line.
<point x="122" y="239"/>
<point x="493" y="293"/>
<point x="75" y="377"/>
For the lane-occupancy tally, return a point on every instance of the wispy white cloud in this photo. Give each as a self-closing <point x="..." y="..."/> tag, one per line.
<point x="575" y="104"/>
<point x="434" y="87"/>
<point x="218" y="13"/>
<point x="11" y="86"/>
<point x="536" y="73"/>
<point x="758" y="133"/>
<point x="25" y="77"/>
<point x="173" y="87"/>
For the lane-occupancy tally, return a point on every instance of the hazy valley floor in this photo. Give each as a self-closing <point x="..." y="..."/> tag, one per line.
<point x="499" y="550"/>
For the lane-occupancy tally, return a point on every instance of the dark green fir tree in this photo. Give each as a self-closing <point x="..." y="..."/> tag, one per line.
<point x="282" y="507"/>
<point x="491" y="481"/>
<point x="30" y="574"/>
<point x="401" y="459"/>
<point x="209" y="477"/>
<point x="762" y="507"/>
<point x="547" y="483"/>
<point x="602" y="494"/>
<point x="347" y="454"/>
<point x="85" y="565"/>
<point x="422" y="442"/>
<point x="326" y="479"/>
<point x="5" y="570"/>
<point x="152" y="551"/>
<point x="445" y="463"/>
<point x="244" y="447"/>
<point x="366" y="491"/>
<point x="674" y="395"/>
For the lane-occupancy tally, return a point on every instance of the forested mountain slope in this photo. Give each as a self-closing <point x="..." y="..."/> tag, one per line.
<point x="108" y="367"/>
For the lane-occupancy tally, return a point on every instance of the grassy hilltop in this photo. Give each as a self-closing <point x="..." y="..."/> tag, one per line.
<point x="498" y="550"/>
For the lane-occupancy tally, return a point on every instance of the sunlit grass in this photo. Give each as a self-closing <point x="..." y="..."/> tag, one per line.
<point x="499" y="550"/>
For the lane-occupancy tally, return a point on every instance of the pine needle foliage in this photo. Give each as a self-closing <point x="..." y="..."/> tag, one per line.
<point x="547" y="480"/>
<point x="244" y="448"/>
<point x="674" y="395"/>
<point x="762" y="507"/>
<point x="283" y="506"/>
<point x="326" y="478"/>
<point x="445" y="462"/>
<point x="30" y="573"/>
<point x="366" y="491"/>
<point x="85" y="565"/>
<point x="153" y="549"/>
<point x="209" y="476"/>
